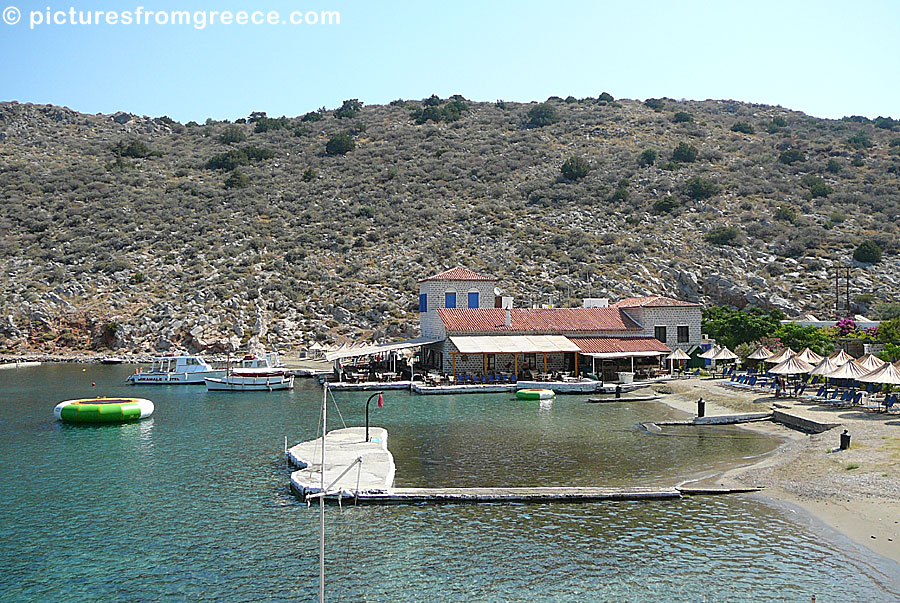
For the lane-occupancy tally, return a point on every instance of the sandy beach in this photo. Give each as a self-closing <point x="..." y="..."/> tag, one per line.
<point x="856" y="491"/>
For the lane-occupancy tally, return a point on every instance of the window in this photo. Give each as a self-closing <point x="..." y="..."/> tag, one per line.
<point x="423" y="302"/>
<point x="491" y="362"/>
<point x="683" y="335"/>
<point x="660" y="333"/>
<point x="530" y="360"/>
<point x="450" y="299"/>
<point x="473" y="299"/>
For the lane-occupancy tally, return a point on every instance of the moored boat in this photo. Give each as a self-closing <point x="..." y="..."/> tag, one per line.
<point x="262" y="373"/>
<point x="174" y="370"/>
<point x="535" y="394"/>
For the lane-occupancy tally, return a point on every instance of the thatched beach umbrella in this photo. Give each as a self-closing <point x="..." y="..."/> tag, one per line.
<point x="888" y="374"/>
<point x="823" y="368"/>
<point x="810" y="356"/>
<point x="781" y="356"/>
<point x="871" y="362"/>
<point x="679" y="355"/>
<point x="708" y="354"/>
<point x="761" y="353"/>
<point x="840" y="357"/>
<point x="792" y="366"/>
<point x="724" y="355"/>
<point x="849" y="370"/>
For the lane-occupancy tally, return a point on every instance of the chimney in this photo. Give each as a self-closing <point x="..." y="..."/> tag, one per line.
<point x="507" y="322"/>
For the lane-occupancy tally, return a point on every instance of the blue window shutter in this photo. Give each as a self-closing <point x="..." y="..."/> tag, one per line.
<point x="450" y="300"/>
<point x="423" y="302"/>
<point x="473" y="299"/>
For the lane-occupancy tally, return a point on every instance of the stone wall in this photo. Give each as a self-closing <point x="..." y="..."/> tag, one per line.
<point x="430" y="322"/>
<point x="672" y="318"/>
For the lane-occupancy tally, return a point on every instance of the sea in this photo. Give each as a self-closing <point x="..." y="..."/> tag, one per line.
<point x="193" y="504"/>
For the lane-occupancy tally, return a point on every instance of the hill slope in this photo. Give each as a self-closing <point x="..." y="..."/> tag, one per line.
<point x="137" y="233"/>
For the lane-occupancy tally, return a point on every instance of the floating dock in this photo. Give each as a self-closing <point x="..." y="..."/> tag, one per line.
<point x="363" y="471"/>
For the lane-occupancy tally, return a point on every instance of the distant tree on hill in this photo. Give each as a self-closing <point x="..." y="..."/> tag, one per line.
<point x="655" y="103"/>
<point x="606" y="96"/>
<point x="308" y="174"/>
<point x="232" y="134"/>
<point x="700" y="189"/>
<point x="816" y="186"/>
<point x="685" y="153"/>
<point x="868" y="252"/>
<point x="743" y="127"/>
<point x="432" y="101"/>
<point x="833" y="166"/>
<point x="237" y="157"/>
<point x="648" y="157"/>
<point x="312" y="116"/>
<point x="541" y="115"/>
<point x="682" y="117"/>
<point x="722" y="235"/>
<point x="237" y="180"/>
<point x="665" y="205"/>
<point x="859" y="141"/>
<point x="349" y="109"/>
<point x="136" y="149"/>
<point x="575" y="168"/>
<point x="791" y="156"/>
<point x="340" y="144"/>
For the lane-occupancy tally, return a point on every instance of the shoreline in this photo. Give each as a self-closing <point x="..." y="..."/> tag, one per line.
<point x="853" y="492"/>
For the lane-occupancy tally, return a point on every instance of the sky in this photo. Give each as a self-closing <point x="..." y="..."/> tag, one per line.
<point x="827" y="59"/>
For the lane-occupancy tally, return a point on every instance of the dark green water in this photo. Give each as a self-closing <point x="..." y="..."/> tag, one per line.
<point x="193" y="504"/>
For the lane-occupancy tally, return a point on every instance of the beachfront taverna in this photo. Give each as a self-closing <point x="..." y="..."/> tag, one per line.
<point x="468" y="327"/>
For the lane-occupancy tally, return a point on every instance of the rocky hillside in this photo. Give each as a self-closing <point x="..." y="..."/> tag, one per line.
<point x="138" y="233"/>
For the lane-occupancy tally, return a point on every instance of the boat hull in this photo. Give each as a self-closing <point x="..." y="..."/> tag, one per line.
<point x="193" y="378"/>
<point x="249" y="384"/>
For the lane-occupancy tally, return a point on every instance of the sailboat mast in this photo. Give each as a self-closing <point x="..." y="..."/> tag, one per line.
<point x="322" y="500"/>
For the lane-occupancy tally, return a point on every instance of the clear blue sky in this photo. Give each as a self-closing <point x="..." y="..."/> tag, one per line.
<point x="828" y="59"/>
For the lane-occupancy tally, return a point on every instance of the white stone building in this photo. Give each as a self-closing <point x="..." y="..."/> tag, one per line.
<point x="461" y="313"/>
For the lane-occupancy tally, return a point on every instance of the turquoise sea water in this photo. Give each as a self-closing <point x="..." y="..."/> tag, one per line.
<point x="193" y="504"/>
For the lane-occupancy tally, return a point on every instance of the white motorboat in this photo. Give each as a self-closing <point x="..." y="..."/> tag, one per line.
<point x="173" y="370"/>
<point x="255" y="374"/>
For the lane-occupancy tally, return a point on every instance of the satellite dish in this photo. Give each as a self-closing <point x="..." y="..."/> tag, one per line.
<point x="497" y="291"/>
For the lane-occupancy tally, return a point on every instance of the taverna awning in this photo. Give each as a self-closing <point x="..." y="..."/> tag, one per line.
<point x="513" y="344"/>
<point x="380" y="348"/>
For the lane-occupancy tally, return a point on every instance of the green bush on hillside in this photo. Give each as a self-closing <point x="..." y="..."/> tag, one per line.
<point x="340" y="144"/>
<point x="349" y="109"/>
<point x="682" y="117"/>
<point x="699" y="188"/>
<point x="868" y="252"/>
<point x="791" y="156"/>
<point x="648" y="157"/>
<point x="722" y="235"/>
<point x="575" y="168"/>
<point x="541" y="115"/>
<point x="743" y="127"/>
<point x="685" y="153"/>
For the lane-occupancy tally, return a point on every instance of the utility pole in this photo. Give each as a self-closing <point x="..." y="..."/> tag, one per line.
<point x="840" y="271"/>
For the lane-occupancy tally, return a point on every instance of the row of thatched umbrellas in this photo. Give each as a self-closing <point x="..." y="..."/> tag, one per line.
<point x="840" y="365"/>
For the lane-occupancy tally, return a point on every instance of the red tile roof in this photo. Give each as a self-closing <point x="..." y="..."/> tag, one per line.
<point x="612" y="345"/>
<point x="458" y="274"/>
<point x="655" y="301"/>
<point x="536" y="320"/>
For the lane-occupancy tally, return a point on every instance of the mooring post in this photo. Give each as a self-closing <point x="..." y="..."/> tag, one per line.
<point x="380" y="404"/>
<point x="845" y="440"/>
<point x="701" y="408"/>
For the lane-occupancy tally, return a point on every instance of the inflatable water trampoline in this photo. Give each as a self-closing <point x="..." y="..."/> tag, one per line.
<point x="103" y="410"/>
<point x="535" y="394"/>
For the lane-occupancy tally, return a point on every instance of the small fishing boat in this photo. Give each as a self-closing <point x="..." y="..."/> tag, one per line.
<point x="262" y="373"/>
<point x="535" y="394"/>
<point x="174" y="370"/>
<point x="111" y="360"/>
<point x="103" y="410"/>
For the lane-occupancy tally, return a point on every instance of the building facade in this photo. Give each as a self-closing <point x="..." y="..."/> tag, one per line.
<point x="460" y="311"/>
